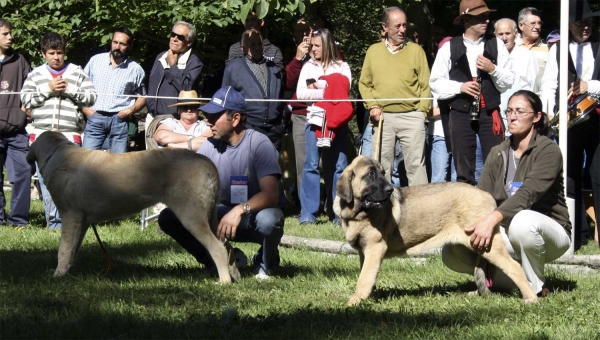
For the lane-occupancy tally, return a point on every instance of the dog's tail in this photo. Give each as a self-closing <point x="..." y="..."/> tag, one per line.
<point x="482" y="281"/>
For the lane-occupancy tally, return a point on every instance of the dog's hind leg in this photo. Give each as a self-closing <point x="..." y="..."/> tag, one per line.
<point x="199" y="227"/>
<point x="499" y="257"/>
<point x="71" y="238"/>
<point x="370" y="265"/>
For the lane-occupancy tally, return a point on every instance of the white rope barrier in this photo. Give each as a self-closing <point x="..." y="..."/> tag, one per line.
<point x="249" y="100"/>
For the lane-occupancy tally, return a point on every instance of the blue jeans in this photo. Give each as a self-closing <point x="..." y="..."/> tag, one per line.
<point x="333" y="157"/>
<point x="101" y="126"/>
<point x="367" y="139"/>
<point x="264" y="227"/>
<point x="52" y="217"/>
<point x="479" y="163"/>
<point x="442" y="163"/>
<point x="13" y="150"/>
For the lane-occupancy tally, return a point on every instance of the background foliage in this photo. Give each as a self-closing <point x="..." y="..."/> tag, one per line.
<point x="88" y="24"/>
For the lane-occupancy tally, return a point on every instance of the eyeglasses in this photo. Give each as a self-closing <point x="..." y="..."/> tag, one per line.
<point x="181" y="37"/>
<point x="533" y="24"/>
<point x="316" y="33"/>
<point x="509" y="112"/>
<point x="583" y="23"/>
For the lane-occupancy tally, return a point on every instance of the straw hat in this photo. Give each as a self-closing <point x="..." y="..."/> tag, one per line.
<point x="187" y="98"/>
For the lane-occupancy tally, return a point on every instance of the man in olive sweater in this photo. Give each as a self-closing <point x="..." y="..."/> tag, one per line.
<point x="395" y="68"/>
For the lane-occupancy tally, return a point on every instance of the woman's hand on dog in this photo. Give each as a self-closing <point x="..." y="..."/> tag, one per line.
<point x="229" y="223"/>
<point x="481" y="239"/>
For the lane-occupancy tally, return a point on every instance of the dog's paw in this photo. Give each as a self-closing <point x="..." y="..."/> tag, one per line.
<point x="354" y="300"/>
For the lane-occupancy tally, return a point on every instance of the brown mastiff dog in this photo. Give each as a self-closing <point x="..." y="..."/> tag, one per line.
<point x="94" y="186"/>
<point x="381" y="221"/>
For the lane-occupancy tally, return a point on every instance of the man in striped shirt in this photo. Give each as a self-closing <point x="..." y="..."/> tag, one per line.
<point x="54" y="92"/>
<point x="118" y="80"/>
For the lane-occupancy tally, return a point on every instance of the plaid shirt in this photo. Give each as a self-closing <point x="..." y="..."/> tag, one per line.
<point x="125" y="78"/>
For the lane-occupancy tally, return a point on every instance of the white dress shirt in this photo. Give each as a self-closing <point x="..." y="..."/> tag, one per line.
<point x="444" y="88"/>
<point x="550" y="78"/>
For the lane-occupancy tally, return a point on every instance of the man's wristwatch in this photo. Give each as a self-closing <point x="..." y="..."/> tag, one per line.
<point x="247" y="209"/>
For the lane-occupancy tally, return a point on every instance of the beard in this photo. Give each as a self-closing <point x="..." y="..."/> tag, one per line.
<point x="118" y="54"/>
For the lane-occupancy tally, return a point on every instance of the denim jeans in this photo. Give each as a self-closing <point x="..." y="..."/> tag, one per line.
<point x="442" y="164"/>
<point x="479" y="162"/>
<point x="264" y="227"/>
<point x="367" y="139"/>
<point x="52" y="217"/>
<point x="13" y="151"/>
<point x="101" y="126"/>
<point x="334" y="157"/>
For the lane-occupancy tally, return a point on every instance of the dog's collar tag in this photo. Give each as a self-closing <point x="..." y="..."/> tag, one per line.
<point x="239" y="189"/>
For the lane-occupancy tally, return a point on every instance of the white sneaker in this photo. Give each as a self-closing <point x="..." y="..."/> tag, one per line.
<point x="262" y="275"/>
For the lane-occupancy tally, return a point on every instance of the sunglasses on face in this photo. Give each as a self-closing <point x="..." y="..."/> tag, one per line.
<point x="180" y="37"/>
<point x="189" y="108"/>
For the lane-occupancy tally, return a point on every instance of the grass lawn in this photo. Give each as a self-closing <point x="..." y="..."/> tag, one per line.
<point x="156" y="291"/>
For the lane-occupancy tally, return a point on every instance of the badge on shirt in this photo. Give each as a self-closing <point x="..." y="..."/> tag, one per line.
<point x="4" y="85"/>
<point x="239" y="189"/>
<point x="514" y="186"/>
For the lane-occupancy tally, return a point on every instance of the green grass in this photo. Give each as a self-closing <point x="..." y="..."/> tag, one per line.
<point x="156" y="291"/>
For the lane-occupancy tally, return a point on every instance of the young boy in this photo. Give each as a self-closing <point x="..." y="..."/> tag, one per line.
<point x="55" y="91"/>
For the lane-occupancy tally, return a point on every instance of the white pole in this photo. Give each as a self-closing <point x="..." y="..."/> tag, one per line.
<point x="563" y="87"/>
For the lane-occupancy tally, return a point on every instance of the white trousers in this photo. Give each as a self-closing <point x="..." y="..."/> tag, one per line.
<point x="532" y="239"/>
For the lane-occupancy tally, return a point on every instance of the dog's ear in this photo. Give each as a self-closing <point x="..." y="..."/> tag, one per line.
<point x="31" y="158"/>
<point x="343" y="188"/>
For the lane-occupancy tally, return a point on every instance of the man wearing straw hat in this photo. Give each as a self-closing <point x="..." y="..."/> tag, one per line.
<point x="186" y="130"/>
<point x="396" y="68"/>
<point x="470" y="72"/>
<point x="584" y="79"/>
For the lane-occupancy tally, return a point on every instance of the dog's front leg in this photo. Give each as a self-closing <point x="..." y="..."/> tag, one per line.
<point x="370" y="264"/>
<point x="71" y="238"/>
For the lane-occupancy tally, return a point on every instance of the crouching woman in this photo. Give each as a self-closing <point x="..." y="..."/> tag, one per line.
<point x="524" y="174"/>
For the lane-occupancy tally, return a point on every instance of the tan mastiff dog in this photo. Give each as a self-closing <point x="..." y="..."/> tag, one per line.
<point x="381" y="221"/>
<point x="93" y="186"/>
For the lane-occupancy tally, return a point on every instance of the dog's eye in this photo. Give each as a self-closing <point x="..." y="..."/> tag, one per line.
<point x="371" y="174"/>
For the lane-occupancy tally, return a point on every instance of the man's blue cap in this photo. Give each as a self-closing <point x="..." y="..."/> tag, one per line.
<point x="226" y="98"/>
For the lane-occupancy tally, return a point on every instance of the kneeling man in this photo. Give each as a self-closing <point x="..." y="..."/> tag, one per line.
<point x="251" y="201"/>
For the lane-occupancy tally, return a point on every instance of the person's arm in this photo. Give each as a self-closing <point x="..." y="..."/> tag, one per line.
<point x="423" y="81"/>
<point x="267" y="197"/>
<point x="439" y="80"/>
<point x="32" y="95"/>
<point x="164" y="135"/>
<point x="83" y="93"/>
<point x="549" y="82"/>
<point x="140" y="102"/>
<point x="292" y="74"/>
<point x="365" y="82"/>
<point x="501" y="74"/>
<point x="184" y="80"/>
<point x="303" y="92"/>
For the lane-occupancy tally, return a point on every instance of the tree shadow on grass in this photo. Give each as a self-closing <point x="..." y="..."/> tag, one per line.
<point x="234" y="323"/>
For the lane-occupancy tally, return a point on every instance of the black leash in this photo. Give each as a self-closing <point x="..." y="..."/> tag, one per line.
<point x="109" y="261"/>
